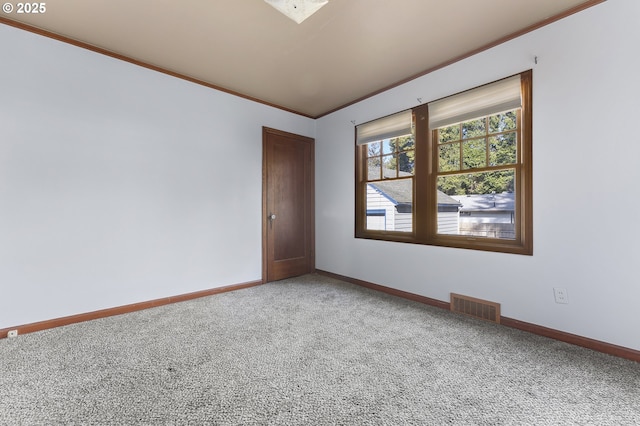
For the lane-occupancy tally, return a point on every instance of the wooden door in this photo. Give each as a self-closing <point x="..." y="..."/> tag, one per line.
<point x="287" y="205"/>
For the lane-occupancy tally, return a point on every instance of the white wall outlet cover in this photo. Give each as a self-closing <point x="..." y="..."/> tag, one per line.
<point x="561" y="295"/>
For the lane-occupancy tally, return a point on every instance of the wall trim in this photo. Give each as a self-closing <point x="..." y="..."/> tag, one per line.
<point x="395" y="292"/>
<point x="125" y="309"/>
<point x="585" y="342"/>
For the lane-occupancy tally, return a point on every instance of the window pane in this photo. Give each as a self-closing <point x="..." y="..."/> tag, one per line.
<point x="374" y="169"/>
<point x="449" y="134"/>
<point x="477" y="204"/>
<point x="404" y="143"/>
<point x="471" y="129"/>
<point x="388" y="147"/>
<point x="502" y="149"/>
<point x="502" y="122"/>
<point x="389" y="163"/>
<point x="449" y="157"/>
<point x="406" y="162"/>
<point x="373" y="149"/>
<point x="474" y="153"/>
<point x="389" y="205"/>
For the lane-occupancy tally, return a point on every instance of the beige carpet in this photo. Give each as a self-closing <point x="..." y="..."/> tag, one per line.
<point x="307" y="351"/>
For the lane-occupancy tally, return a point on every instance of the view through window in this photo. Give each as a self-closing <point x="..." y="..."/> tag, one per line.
<point x="390" y="166"/>
<point x="477" y="163"/>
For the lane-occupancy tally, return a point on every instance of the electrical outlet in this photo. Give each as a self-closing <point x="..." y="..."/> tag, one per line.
<point x="12" y="333"/>
<point x="561" y="295"/>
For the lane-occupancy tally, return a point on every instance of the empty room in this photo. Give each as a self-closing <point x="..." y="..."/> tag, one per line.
<point x="319" y="212"/>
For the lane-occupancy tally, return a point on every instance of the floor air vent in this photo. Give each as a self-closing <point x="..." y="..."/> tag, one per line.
<point x="478" y="308"/>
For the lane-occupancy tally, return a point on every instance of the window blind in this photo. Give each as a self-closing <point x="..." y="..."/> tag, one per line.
<point x="494" y="98"/>
<point x="392" y="126"/>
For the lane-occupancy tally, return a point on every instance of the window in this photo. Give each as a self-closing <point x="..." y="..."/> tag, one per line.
<point x="388" y="154"/>
<point x="455" y="172"/>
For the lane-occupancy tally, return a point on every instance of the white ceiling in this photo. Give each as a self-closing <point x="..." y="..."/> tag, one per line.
<point x="348" y="50"/>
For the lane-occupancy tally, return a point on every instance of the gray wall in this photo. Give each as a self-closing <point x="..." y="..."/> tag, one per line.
<point x="119" y="184"/>
<point x="586" y="99"/>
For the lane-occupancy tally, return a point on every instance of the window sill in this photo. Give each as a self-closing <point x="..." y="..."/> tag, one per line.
<point x="463" y="242"/>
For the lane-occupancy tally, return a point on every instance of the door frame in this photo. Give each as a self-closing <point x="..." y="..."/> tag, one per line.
<point x="265" y="132"/>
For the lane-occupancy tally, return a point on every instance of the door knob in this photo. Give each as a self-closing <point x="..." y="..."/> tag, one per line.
<point x="272" y="216"/>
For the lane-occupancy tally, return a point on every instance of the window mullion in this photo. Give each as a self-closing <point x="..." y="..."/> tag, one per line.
<point x="461" y="145"/>
<point x="486" y="142"/>
<point x="422" y="171"/>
